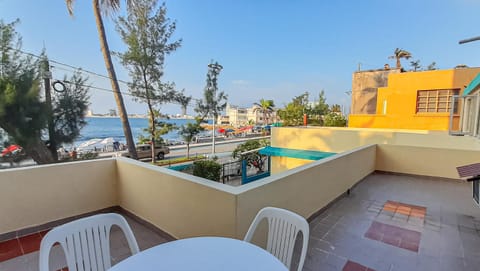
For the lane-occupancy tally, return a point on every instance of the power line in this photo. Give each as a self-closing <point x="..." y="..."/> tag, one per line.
<point x="81" y="70"/>
<point x="109" y="90"/>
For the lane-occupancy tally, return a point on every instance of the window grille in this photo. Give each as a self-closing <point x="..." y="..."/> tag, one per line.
<point x="435" y="101"/>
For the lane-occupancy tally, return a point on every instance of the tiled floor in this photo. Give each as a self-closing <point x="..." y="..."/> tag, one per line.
<point x="392" y="222"/>
<point x="388" y="223"/>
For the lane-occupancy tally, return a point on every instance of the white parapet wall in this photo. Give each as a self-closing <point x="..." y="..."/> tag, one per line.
<point x="184" y="206"/>
<point x="37" y="195"/>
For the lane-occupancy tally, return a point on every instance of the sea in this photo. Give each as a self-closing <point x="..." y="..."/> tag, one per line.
<point x="98" y="127"/>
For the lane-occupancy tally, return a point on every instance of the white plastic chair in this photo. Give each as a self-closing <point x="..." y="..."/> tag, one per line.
<point x="283" y="229"/>
<point x="86" y="242"/>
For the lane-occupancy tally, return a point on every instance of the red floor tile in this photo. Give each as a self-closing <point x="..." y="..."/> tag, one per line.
<point x="391" y="240"/>
<point x="353" y="266"/>
<point x="375" y="235"/>
<point x="413" y="246"/>
<point x="30" y="243"/>
<point x="10" y="249"/>
<point x="395" y="236"/>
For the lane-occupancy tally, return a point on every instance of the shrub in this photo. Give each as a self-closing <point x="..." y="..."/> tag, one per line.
<point x="335" y="119"/>
<point x="207" y="169"/>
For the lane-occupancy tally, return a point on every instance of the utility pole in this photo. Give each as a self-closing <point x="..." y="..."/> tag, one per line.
<point x="47" y="75"/>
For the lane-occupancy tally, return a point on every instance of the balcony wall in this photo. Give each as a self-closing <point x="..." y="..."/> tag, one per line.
<point x="426" y="161"/>
<point x="305" y="189"/>
<point x="184" y="206"/>
<point x="338" y="139"/>
<point x="180" y="204"/>
<point x="37" y="195"/>
<point x="330" y="139"/>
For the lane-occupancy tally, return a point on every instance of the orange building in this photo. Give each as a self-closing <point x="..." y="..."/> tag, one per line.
<point x="412" y="100"/>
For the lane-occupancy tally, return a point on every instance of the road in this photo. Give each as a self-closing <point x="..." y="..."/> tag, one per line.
<point x="220" y="148"/>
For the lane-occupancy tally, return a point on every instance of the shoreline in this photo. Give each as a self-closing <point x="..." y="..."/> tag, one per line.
<point x="139" y="116"/>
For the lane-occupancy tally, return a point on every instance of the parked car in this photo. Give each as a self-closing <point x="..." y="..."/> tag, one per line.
<point x="144" y="151"/>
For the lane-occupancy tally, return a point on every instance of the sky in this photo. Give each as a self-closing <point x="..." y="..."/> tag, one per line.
<point x="270" y="49"/>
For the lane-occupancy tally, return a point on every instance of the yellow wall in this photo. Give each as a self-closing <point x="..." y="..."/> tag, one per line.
<point x="401" y="97"/>
<point x="337" y="139"/>
<point x="280" y="164"/>
<point x="37" y="195"/>
<point x="330" y="139"/>
<point x="180" y="204"/>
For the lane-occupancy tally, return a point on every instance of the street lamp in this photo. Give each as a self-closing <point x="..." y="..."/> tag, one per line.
<point x="469" y="40"/>
<point x="214" y="69"/>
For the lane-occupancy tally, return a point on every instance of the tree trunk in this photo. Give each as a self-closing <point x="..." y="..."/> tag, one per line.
<point x="399" y="65"/>
<point x="152" y="130"/>
<point x="184" y="110"/>
<point x="113" y="80"/>
<point x="188" y="150"/>
<point x="39" y="152"/>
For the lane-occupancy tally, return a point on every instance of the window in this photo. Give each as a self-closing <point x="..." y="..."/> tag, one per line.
<point x="435" y="101"/>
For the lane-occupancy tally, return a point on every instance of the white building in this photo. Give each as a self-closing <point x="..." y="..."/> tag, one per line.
<point x="240" y="116"/>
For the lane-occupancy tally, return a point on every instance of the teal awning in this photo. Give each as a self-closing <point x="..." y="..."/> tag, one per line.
<point x="472" y="86"/>
<point x="293" y="153"/>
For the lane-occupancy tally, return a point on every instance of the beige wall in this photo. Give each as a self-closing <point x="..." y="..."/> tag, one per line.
<point x="437" y="162"/>
<point x="305" y="189"/>
<point x="184" y="206"/>
<point x="37" y="195"/>
<point x="179" y="204"/>
<point x="332" y="139"/>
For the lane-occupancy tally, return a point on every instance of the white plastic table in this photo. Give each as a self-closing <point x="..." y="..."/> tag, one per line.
<point x="202" y="253"/>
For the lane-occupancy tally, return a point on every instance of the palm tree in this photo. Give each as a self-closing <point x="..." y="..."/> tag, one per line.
<point x="266" y="107"/>
<point x="336" y="108"/>
<point x="398" y="54"/>
<point x="106" y="6"/>
<point x="415" y="65"/>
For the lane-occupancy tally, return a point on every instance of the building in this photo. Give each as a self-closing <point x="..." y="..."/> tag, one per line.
<point x="409" y="100"/>
<point x="240" y="116"/>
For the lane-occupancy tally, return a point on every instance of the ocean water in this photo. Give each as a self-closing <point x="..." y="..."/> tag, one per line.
<point x="112" y="127"/>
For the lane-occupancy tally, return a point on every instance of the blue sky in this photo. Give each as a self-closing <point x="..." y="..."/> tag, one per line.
<point x="272" y="49"/>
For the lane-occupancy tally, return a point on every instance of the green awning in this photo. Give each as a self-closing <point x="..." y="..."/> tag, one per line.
<point x="293" y="153"/>
<point x="472" y="86"/>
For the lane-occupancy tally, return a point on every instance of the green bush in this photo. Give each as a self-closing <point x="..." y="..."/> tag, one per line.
<point x="334" y="119"/>
<point x="178" y="160"/>
<point x="207" y="169"/>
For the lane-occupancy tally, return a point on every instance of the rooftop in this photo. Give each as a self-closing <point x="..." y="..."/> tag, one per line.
<point x="388" y="222"/>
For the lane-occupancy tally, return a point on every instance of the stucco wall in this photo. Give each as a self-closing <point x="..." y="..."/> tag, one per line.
<point x="180" y="204"/>
<point x="331" y="139"/>
<point x="396" y="103"/>
<point x="364" y="89"/>
<point x="280" y="164"/>
<point x="305" y="189"/>
<point x="36" y="195"/>
<point x="427" y="161"/>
